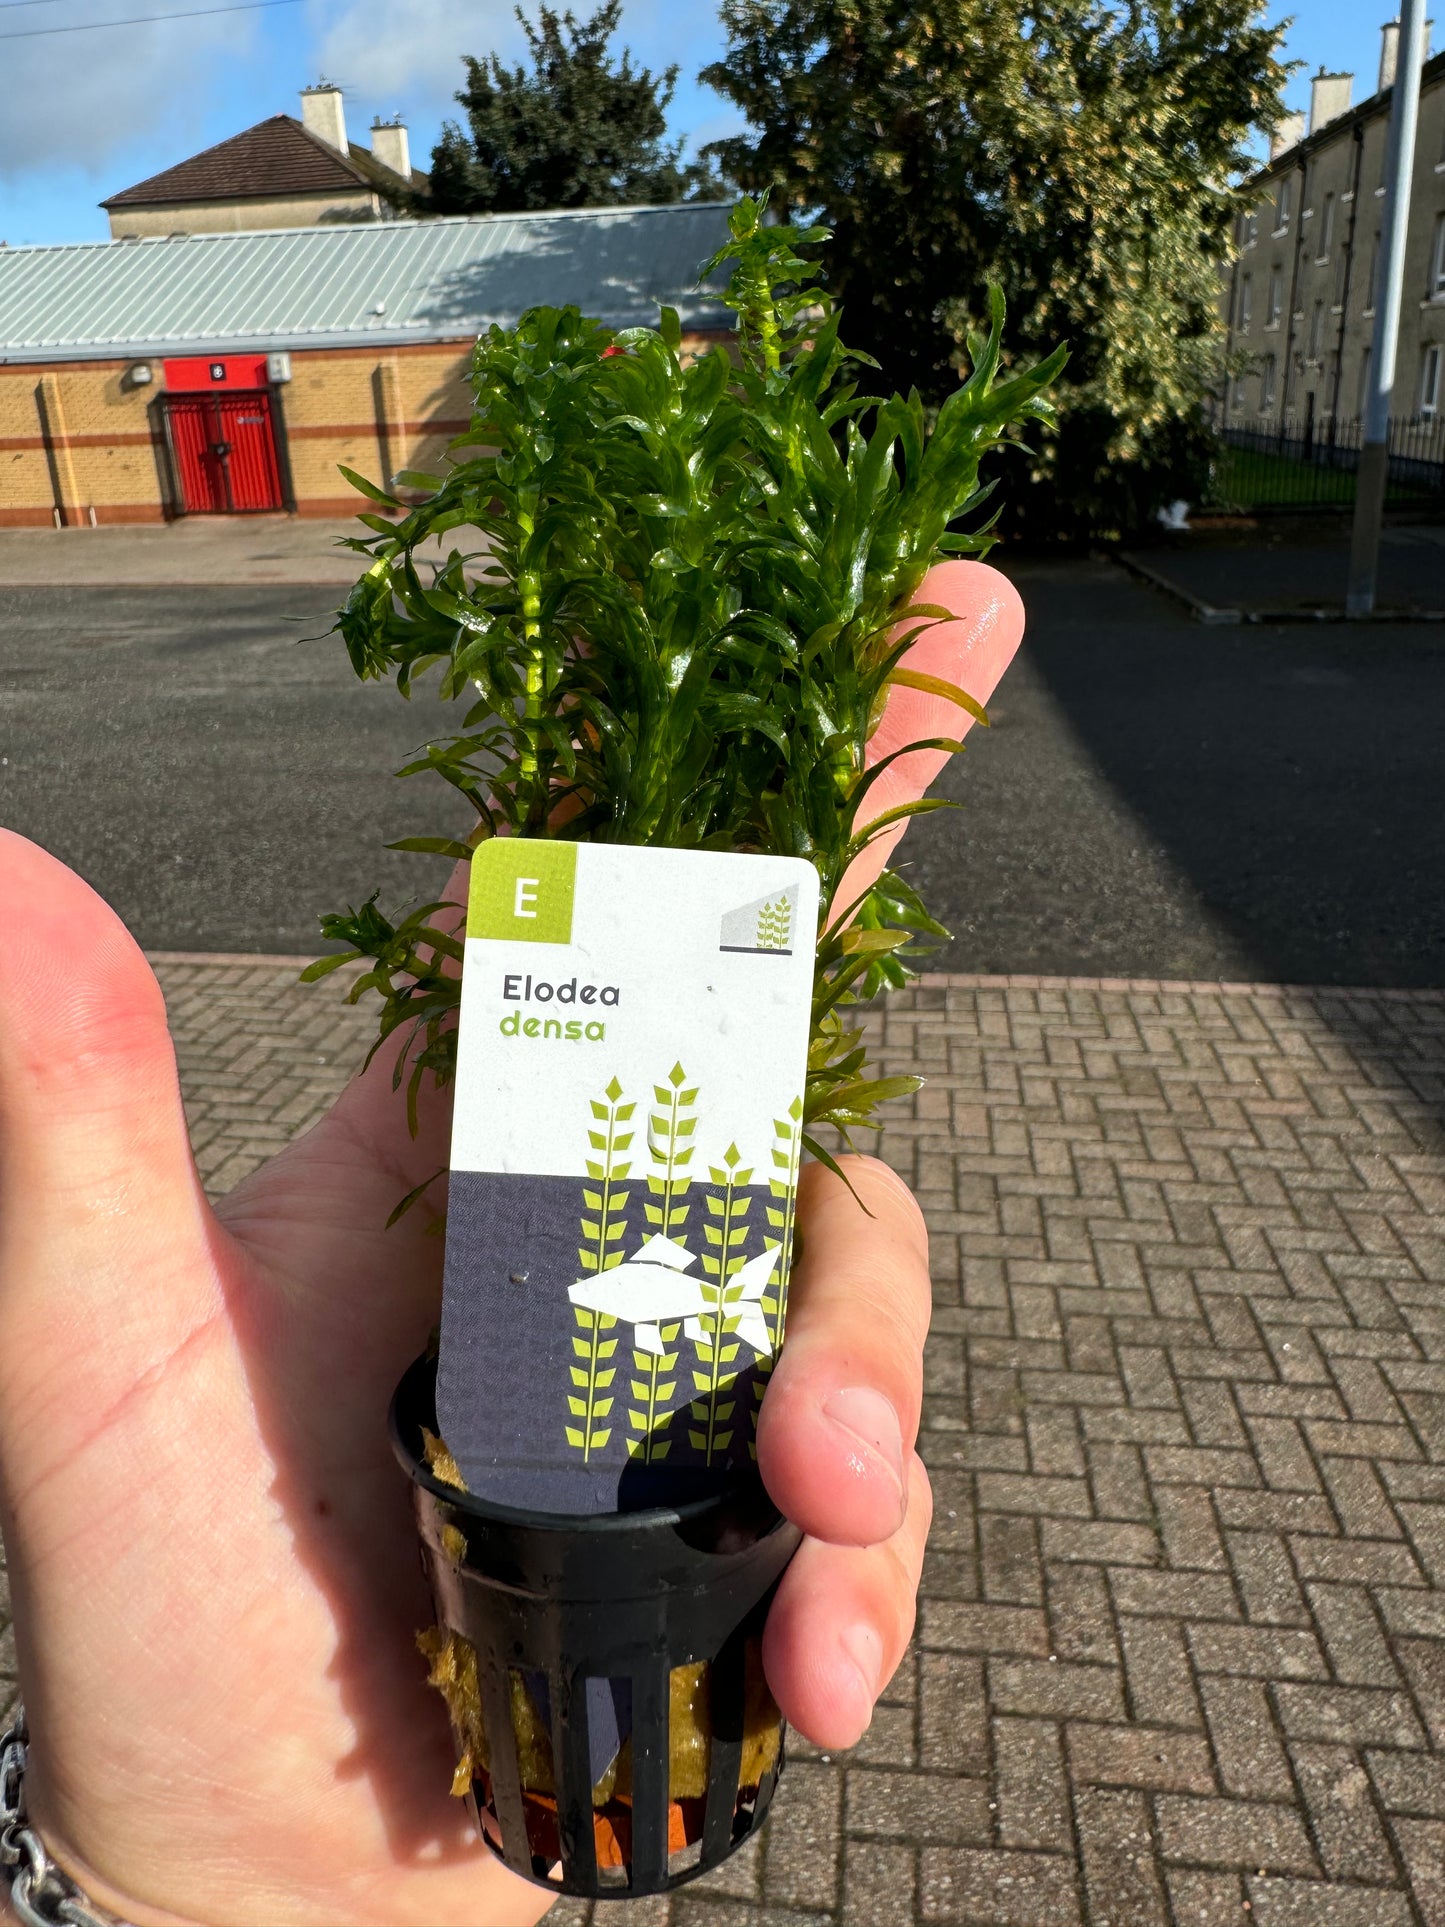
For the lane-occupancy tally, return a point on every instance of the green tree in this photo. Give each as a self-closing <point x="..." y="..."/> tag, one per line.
<point x="1084" y="155"/>
<point x="579" y="128"/>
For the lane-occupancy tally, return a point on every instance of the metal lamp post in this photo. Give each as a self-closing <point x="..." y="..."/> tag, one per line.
<point x="1399" y="172"/>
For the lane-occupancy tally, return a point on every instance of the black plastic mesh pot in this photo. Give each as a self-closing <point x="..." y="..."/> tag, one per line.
<point x="604" y="1672"/>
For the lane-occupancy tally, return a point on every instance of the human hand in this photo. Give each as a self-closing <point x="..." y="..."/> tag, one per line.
<point x="212" y="1558"/>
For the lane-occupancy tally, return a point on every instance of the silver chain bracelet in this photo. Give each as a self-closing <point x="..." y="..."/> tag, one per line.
<point x="40" y="1893"/>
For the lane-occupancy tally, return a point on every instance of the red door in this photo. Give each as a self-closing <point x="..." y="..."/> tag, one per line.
<point x="250" y="460"/>
<point x="190" y="422"/>
<point x="225" y="451"/>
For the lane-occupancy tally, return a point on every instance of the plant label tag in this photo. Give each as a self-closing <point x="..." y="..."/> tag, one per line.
<point x="625" y="1151"/>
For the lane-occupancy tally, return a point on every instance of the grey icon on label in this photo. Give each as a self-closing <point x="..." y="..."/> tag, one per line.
<point x="763" y="928"/>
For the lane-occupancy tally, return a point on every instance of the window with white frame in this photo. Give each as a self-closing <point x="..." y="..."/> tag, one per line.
<point x="1246" y="302"/>
<point x="1266" y="386"/>
<point x="1276" y="298"/>
<point x="1437" y="259"/>
<point x="1317" y="331"/>
<point x="1282" y="202"/>
<point x="1430" y="379"/>
<point x="1327" y="227"/>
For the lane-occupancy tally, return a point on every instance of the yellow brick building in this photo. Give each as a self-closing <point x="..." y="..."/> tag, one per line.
<point x="221" y="373"/>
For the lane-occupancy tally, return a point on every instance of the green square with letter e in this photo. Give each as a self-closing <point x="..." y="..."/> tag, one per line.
<point x="522" y="890"/>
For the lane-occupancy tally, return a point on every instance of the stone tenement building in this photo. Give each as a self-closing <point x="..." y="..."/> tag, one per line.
<point x="1299" y="296"/>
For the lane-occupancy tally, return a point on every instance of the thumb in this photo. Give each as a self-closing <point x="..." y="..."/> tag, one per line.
<point x="104" y="1231"/>
<point x="972" y="650"/>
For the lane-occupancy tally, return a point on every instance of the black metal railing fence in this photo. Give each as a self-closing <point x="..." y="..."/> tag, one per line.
<point x="1288" y="465"/>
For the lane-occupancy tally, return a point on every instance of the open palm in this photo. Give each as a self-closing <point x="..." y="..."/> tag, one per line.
<point x="214" y="1570"/>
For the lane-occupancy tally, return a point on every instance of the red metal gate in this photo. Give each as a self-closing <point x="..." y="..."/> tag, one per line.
<point x="224" y="446"/>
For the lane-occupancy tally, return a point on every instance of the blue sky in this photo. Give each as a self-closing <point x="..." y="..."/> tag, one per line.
<point x="85" y="114"/>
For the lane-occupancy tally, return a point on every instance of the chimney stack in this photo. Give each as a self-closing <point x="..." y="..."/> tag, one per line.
<point x="1289" y="133"/>
<point x="323" y="115"/>
<point x="1329" y="98"/>
<point x="390" y="146"/>
<point x="1389" y="53"/>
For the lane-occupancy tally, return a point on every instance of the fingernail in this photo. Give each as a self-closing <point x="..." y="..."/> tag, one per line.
<point x="872" y="1424"/>
<point x="864" y="1648"/>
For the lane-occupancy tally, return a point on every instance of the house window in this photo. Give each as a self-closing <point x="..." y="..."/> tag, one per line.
<point x="1251" y="227"/>
<point x="1430" y="379"/>
<point x="1237" y="392"/>
<point x="1282" y="201"/>
<point x="1327" y="227"/>
<point x="1373" y="276"/>
<point x="1437" y="259"/>
<point x="1246" y="303"/>
<point x="1317" y="331"/>
<point x="1276" y="297"/>
<point x="1364" y="395"/>
<point x="1266" y="386"/>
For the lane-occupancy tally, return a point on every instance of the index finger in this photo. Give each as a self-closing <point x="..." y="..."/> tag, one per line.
<point x="971" y="650"/>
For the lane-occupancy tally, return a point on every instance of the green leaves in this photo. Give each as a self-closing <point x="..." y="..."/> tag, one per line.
<point x="718" y="1349"/>
<point x="576" y="126"/>
<point x="670" y="1130"/>
<point x="602" y="1231"/>
<point x="1085" y="156"/>
<point x="686" y="592"/>
<point x="936" y="686"/>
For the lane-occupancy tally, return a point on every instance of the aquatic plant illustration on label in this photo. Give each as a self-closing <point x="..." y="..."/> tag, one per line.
<point x="625" y="1152"/>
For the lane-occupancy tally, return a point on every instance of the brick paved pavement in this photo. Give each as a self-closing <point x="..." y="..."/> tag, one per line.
<point x="1179" y="1655"/>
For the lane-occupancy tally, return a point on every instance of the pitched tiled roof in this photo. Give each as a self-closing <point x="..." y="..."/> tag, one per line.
<point x="276" y="156"/>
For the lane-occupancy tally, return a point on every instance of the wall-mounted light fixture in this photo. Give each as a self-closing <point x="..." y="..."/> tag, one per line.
<point x="141" y="374"/>
<point x="278" y="367"/>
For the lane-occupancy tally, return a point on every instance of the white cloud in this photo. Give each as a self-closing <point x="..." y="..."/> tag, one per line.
<point x="114" y="106"/>
<point x="80" y="99"/>
<point x="406" y="55"/>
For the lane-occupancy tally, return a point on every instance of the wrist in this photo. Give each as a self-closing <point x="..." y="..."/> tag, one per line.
<point x="38" y="1888"/>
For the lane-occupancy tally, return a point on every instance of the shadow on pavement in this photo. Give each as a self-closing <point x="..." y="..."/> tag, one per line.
<point x="1161" y="799"/>
<point x="1287" y="568"/>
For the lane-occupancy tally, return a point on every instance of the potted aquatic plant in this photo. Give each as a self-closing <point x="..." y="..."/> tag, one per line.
<point x="687" y="591"/>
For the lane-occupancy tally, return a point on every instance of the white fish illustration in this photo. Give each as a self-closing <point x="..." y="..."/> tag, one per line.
<point x="745" y="1289"/>
<point x="653" y="1287"/>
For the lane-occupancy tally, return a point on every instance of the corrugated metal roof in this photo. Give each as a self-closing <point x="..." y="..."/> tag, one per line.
<point x="381" y="283"/>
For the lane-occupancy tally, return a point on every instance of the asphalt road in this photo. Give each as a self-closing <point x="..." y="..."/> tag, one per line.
<point x="1154" y="798"/>
<point x="205" y="758"/>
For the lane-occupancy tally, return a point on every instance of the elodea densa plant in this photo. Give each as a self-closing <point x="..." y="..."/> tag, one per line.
<point x="696" y="591"/>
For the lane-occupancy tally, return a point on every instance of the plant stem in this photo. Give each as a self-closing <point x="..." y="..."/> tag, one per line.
<point x="529" y="586"/>
<point x="600" y="1325"/>
<point x="785" y="1241"/>
<point x="652" y="1364"/>
<point x="719" y="1320"/>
